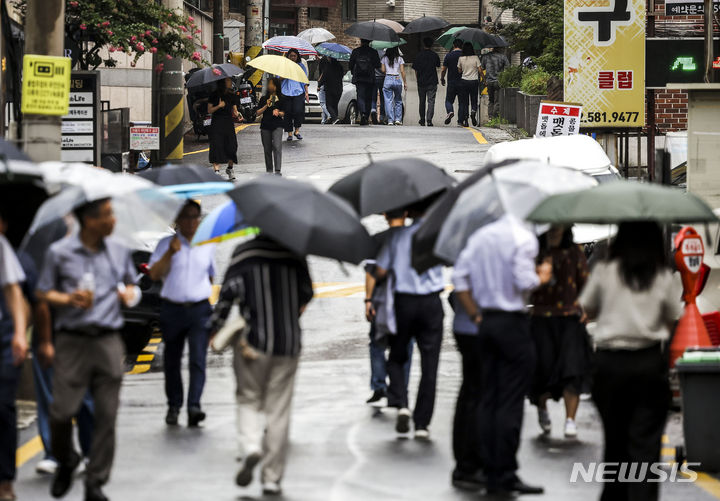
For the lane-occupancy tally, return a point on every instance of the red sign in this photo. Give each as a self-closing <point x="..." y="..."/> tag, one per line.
<point x="554" y="109"/>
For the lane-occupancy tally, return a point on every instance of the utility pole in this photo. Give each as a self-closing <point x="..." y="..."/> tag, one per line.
<point x="254" y="24"/>
<point x="44" y="35"/>
<point x="218" y="44"/>
<point x="709" y="55"/>
<point x="168" y="107"/>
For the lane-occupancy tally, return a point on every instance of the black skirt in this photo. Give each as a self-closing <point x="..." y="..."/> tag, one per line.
<point x="563" y="356"/>
<point x="223" y="140"/>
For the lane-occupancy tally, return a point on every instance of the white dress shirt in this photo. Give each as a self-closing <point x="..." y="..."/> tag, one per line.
<point x="191" y="269"/>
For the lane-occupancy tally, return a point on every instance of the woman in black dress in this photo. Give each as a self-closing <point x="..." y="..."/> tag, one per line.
<point x="223" y="140"/>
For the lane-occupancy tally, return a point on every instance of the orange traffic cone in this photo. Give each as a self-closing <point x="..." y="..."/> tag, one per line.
<point x="690" y="333"/>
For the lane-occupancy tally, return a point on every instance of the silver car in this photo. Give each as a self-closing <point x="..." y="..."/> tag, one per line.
<point x="347" y="107"/>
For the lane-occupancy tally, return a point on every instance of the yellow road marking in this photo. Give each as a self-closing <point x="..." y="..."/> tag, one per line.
<point x="478" y="135"/>
<point x="145" y="358"/>
<point x="155" y="340"/>
<point x="237" y="129"/>
<point x="665" y="439"/>
<point x="668" y="452"/>
<point x="139" y="369"/>
<point x="28" y="450"/>
<point x="151" y="347"/>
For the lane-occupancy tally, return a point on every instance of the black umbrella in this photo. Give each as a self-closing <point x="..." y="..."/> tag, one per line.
<point x="303" y="219"/>
<point x="22" y="192"/>
<point x="425" y="24"/>
<point x="11" y="152"/>
<point x="476" y="35"/>
<point x="170" y="175"/>
<point x="424" y="239"/>
<point x="370" y="30"/>
<point x="391" y="184"/>
<point x="214" y="73"/>
<point x="498" y="41"/>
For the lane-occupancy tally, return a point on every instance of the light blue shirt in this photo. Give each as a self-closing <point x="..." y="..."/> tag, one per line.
<point x="191" y="269"/>
<point x="407" y="280"/>
<point x="498" y="265"/>
<point x="292" y="88"/>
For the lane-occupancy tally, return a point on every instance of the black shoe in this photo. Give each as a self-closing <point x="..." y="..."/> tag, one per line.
<point x="376" y="396"/>
<point x="422" y="123"/>
<point x="429" y="124"/>
<point x="364" y="120"/>
<point x="516" y="486"/>
<point x="465" y="124"/>
<point x="298" y="136"/>
<point x="195" y="415"/>
<point x="278" y="173"/>
<point x="94" y="493"/>
<point x="374" y="118"/>
<point x="230" y="174"/>
<point x="449" y="117"/>
<point x="64" y="476"/>
<point x="402" y="425"/>
<point x="171" y="419"/>
<point x="473" y="118"/>
<point x="244" y="477"/>
<point x="472" y="482"/>
<point x="289" y="139"/>
<point x="336" y="121"/>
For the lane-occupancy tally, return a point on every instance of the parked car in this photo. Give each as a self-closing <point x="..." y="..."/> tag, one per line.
<point x="347" y="107"/>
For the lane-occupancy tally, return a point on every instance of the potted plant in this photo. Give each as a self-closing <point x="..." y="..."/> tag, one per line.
<point x="533" y="89"/>
<point x="509" y="80"/>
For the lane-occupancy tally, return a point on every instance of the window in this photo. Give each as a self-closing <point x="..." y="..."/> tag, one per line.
<point x="236" y="5"/>
<point x="349" y="10"/>
<point x="318" y="13"/>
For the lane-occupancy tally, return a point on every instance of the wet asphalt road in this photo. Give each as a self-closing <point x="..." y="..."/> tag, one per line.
<point x="341" y="450"/>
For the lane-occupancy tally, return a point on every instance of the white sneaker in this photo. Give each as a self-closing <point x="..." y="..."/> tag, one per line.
<point x="570" y="429"/>
<point x="398" y="122"/>
<point x="380" y="404"/>
<point x="271" y="489"/>
<point x="82" y="466"/>
<point x="46" y="467"/>
<point x="422" y="434"/>
<point x="544" y="421"/>
<point x="402" y="426"/>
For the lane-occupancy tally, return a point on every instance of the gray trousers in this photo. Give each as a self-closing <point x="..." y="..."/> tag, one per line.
<point x="264" y="397"/>
<point x="272" y="144"/>
<point x="428" y="93"/>
<point x="83" y="362"/>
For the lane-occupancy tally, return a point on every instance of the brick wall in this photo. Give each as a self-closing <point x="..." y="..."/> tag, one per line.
<point x="671" y="110"/>
<point x="377" y="9"/>
<point x="466" y="12"/>
<point x="418" y="8"/>
<point x="334" y="24"/>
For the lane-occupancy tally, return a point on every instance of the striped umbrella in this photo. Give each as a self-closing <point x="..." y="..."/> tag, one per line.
<point x="285" y="43"/>
<point x="223" y="223"/>
<point x="335" y="50"/>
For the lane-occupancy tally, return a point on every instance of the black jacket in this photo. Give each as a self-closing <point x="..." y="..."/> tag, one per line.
<point x="364" y="52"/>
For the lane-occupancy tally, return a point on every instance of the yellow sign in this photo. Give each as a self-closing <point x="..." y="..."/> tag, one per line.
<point x="605" y="61"/>
<point x="46" y="85"/>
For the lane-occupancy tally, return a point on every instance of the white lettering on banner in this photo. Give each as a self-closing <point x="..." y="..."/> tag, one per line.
<point x="558" y="119"/>
<point x="81" y="97"/>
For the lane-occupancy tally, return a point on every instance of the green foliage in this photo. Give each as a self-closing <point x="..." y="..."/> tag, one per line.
<point x="535" y="82"/>
<point x="496" y="121"/>
<point x="135" y="27"/>
<point x="510" y="76"/>
<point x="538" y="32"/>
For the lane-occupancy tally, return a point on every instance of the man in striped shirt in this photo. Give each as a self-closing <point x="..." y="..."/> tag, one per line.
<point x="272" y="287"/>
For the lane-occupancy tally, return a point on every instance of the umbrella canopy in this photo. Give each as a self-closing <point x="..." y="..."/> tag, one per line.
<point x="9" y="151"/>
<point x="447" y="38"/>
<point x="334" y="50"/>
<point x="476" y="36"/>
<point x="393" y="184"/>
<point x="303" y="219"/>
<point x="223" y="223"/>
<point x="386" y="45"/>
<point x="513" y="189"/>
<point x="425" y="24"/>
<point x="285" y="43"/>
<point x="316" y="35"/>
<point x="213" y="74"/>
<point x="169" y="175"/>
<point x="393" y="25"/>
<point x="372" y="30"/>
<point x="280" y="66"/>
<point x="623" y="201"/>
<point x="140" y="207"/>
<point x="22" y="192"/>
<point x="498" y="41"/>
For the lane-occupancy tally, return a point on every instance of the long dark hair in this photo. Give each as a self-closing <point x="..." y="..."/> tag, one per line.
<point x="565" y="243"/>
<point x="393" y="53"/>
<point x="287" y="54"/>
<point x="640" y="249"/>
<point x="468" y="49"/>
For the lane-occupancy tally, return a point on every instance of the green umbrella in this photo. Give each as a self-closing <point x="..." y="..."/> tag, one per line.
<point x="379" y="45"/>
<point x="622" y="201"/>
<point x="446" y="39"/>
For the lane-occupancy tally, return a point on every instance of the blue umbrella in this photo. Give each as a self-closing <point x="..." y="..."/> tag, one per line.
<point x="193" y="190"/>
<point x="334" y="50"/>
<point x="223" y="223"/>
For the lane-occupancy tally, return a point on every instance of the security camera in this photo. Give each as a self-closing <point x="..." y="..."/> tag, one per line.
<point x="390" y="3"/>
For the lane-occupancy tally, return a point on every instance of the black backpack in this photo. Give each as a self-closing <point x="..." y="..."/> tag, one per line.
<point x="364" y="66"/>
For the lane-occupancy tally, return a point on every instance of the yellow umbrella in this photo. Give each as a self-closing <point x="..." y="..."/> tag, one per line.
<point x="280" y="66"/>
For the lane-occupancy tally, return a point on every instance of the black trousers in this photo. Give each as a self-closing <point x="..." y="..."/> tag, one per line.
<point x="507" y="358"/>
<point x="9" y="377"/>
<point x="466" y="440"/>
<point x="295" y="113"/>
<point x="493" y="89"/>
<point x="364" y="97"/>
<point x="332" y="99"/>
<point x="421" y="317"/>
<point x="632" y="394"/>
<point x="468" y="98"/>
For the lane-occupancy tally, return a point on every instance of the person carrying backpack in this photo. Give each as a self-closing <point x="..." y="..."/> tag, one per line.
<point x="364" y="61"/>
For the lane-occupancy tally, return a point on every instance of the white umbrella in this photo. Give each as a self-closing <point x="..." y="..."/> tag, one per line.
<point x="141" y="208"/>
<point x="284" y="44"/>
<point x="316" y="35"/>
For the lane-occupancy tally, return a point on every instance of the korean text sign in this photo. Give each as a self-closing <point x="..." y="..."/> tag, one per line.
<point x="605" y="61"/>
<point x="558" y="119"/>
<point x="46" y="85"/>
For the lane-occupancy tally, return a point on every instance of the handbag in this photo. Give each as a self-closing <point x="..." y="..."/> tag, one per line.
<point x="383" y="300"/>
<point x="234" y="330"/>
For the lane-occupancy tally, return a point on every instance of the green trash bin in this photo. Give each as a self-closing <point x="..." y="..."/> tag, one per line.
<point x="699" y="372"/>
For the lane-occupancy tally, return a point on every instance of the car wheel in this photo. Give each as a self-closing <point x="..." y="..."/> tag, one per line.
<point x="352" y="113"/>
<point x="136" y="337"/>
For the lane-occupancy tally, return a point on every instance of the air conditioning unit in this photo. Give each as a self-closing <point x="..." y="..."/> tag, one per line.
<point x="390" y="3"/>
